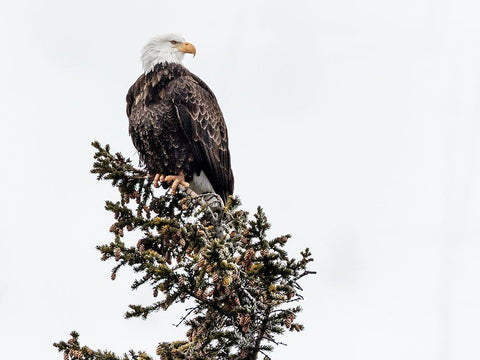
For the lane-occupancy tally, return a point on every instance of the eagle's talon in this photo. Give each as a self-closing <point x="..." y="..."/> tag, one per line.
<point x="156" y="178"/>
<point x="177" y="180"/>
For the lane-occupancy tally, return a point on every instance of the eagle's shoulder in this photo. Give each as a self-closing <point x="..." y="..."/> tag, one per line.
<point x="155" y="85"/>
<point x="133" y="93"/>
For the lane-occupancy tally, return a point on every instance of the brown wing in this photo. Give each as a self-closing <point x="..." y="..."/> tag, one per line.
<point x="202" y="121"/>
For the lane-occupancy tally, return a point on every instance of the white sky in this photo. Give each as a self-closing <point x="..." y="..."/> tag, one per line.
<point x="359" y="117"/>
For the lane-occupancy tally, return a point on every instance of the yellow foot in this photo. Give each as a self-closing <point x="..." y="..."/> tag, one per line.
<point x="174" y="179"/>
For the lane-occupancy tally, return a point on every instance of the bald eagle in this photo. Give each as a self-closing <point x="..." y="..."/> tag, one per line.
<point x="175" y="122"/>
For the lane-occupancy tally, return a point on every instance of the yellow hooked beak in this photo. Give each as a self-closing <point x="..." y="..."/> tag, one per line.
<point x="187" y="48"/>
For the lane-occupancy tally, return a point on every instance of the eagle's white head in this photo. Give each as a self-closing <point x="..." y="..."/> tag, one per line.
<point x="165" y="48"/>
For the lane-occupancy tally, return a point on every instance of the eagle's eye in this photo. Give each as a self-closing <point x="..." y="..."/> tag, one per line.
<point x="173" y="42"/>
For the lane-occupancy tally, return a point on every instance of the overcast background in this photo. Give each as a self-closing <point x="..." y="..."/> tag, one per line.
<point x="353" y="123"/>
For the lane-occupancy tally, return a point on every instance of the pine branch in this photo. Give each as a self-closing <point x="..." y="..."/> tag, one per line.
<point x="72" y="350"/>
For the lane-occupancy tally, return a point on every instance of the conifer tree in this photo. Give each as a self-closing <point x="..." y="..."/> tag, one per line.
<point x="244" y="286"/>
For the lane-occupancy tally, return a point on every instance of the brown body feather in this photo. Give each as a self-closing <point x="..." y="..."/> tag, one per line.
<point x="176" y="125"/>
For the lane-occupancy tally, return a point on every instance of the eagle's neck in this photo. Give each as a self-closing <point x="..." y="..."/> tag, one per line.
<point x="153" y="55"/>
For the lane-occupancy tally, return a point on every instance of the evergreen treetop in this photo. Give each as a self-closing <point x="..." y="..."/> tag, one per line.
<point x="244" y="286"/>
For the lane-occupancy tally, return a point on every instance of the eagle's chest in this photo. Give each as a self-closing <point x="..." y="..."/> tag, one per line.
<point x="160" y="141"/>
